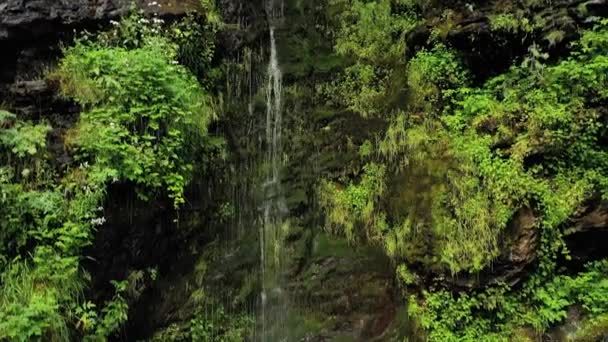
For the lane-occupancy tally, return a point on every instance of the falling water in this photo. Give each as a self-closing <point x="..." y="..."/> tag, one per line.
<point x="273" y="303"/>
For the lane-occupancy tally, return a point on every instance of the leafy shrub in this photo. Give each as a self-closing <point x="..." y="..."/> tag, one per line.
<point x="145" y="114"/>
<point x="460" y="162"/>
<point x="495" y="314"/>
<point x="500" y="131"/>
<point x="221" y="328"/>
<point x="348" y="207"/>
<point x="372" y="35"/>
<point x="431" y="73"/>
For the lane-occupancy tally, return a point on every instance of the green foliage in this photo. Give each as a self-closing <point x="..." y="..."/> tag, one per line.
<point x="367" y="29"/>
<point x="40" y="295"/>
<point x="145" y="115"/>
<point x="30" y="304"/>
<point x="113" y="315"/>
<point x="498" y="133"/>
<point x="405" y="276"/>
<point x="209" y="324"/>
<point x="431" y="74"/>
<point x="360" y="88"/>
<point x="515" y="23"/>
<point x="221" y="328"/>
<point x="372" y="35"/>
<point x="479" y="183"/>
<point x="346" y="208"/>
<point x="495" y="314"/>
<point x="22" y="138"/>
<point x="194" y="37"/>
<point x="25" y="210"/>
<point x="459" y="163"/>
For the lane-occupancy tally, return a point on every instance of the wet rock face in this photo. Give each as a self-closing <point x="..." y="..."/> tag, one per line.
<point x="344" y="293"/>
<point x="22" y="20"/>
<point x="31" y="33"/>
<point x="247" y="24"/>
<point x="31" y="30"/>
<point x="588" y="236"/>
<point x="27" y="19"/>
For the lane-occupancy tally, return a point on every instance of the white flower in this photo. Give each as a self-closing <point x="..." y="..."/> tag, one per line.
<point x="98" y="221"/>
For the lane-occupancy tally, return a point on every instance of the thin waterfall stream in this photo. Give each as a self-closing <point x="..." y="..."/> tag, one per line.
<point x="273" y="302"/>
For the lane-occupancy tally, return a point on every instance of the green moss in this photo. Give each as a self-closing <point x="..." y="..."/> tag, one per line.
<point x="305" y="323"/>
<point x="342" y="338"/>
<point x="593" y="329"/>
<point x="326" y="246"/>
<point x="324" y="113"/>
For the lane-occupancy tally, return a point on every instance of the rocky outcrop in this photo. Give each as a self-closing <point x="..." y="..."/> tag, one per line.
<point x="588" y="235"/>
<point x="522" y="239"/>
<point x="24" y="20"/>
<point x="245" y="19"/>
<point x="345" y="293"/>
<point x="467" y="27"/>
<point x="591" y="217"/>
<point x="519" y="243"/>
<point x="586" y="240"/>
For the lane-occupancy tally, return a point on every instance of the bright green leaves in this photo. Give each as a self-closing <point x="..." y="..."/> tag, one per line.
<point x="25" y="212"/>
<point x="144" y="119"/>
<point x="31" y="303"/>
<point x="532" y="137"/>
<point x="515" y="23"/>
<point x="354" y="206"/>
<point x="496" y="313"/>
<point x="550" y="116"/>
<point x="195" y="40"/>
<point x="430" y="74"/>
<point x="146" y="113"/>
<point x="462" y="163"/>
<point x="371" y="34"/>
<point x="361" y="87"/>
<point x="23" y="139"/>
<point x="368" y="30"/>
<point x="113" y="315"/>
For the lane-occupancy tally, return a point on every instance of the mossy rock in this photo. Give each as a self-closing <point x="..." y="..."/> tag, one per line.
<point x="344" y="293"/>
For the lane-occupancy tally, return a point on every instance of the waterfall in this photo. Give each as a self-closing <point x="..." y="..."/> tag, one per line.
<point x="272" y="313"/>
